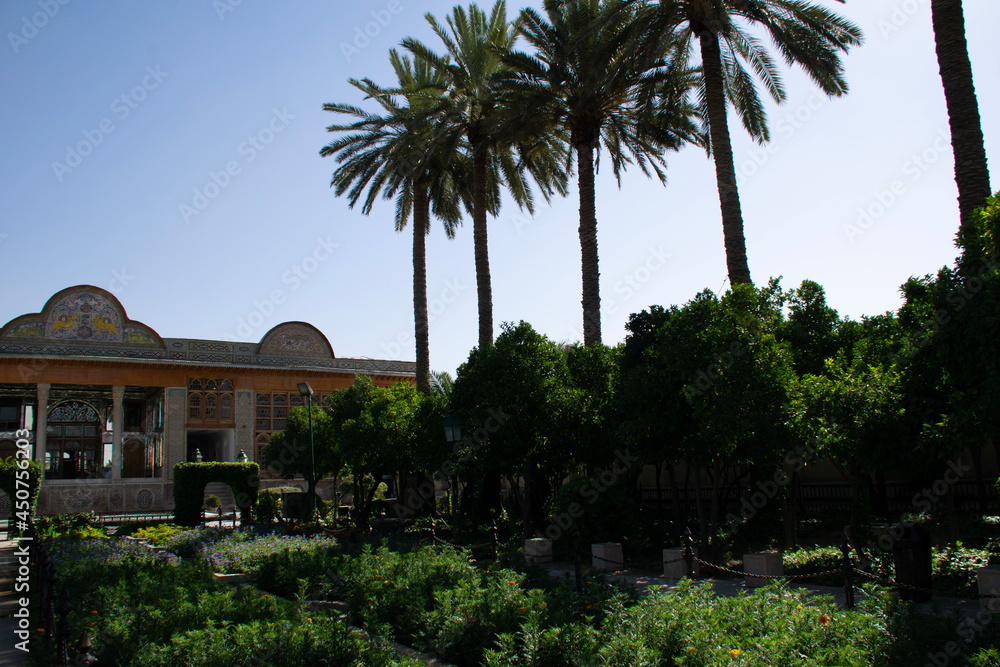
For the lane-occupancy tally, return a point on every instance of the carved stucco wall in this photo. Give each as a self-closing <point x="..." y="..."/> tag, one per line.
<point x="176" y="435"/>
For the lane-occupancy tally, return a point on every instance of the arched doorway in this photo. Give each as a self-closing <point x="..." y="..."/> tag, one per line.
<point x="73" y="442"/>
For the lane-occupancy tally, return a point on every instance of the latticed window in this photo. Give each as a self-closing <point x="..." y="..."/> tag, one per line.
<point x="271" y="410"/>
<point x="210" y="402"/>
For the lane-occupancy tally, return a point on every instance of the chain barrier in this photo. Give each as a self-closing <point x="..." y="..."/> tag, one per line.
<point x="740" y="573"/>
<point x="919" y="589"/>
<point x="438" y="540"/>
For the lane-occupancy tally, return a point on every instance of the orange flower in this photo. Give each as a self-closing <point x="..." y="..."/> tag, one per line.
<point x="522" y="609"/>
<point x="823" y="619"/>
<point x="94" y="612"/>
<point x="512" y="583"/>
<point x="735" y="653"/>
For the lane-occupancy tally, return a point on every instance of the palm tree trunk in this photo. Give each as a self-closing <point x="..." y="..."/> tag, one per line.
<point x="481" y="247"/>
<point x="588" y="246"/>
<point x="971" y="172"/>
<point x="421" y="221"/>
<point x="722" y="151"/>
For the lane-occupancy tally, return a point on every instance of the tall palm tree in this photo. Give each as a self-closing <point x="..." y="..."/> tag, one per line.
<point x="503" y="141"/>
<point x="603" y="91"/>
<point x="971" y="171"/>
<point x="392" y="155"/>
<point x="732" y="57"/>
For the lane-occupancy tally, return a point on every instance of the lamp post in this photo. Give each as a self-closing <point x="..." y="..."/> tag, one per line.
<point x="453" y="434"/>
<point x="307" y="393"/>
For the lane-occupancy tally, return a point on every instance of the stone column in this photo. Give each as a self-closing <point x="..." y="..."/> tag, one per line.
<point x="42" y="423"/>
<point x="117" y="430"/>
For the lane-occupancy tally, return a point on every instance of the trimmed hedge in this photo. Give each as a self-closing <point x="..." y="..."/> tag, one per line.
<point x="9" y="468"/>
<point x="190" y="480"/>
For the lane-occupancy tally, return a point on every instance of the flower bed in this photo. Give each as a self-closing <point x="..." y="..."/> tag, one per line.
<point x="144" y="609"/>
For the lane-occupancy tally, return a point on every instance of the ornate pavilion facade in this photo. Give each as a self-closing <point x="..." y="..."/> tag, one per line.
<point x="111" y="406"/>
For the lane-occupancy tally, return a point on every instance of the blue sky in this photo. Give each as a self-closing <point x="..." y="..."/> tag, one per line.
<point x="168" y="151"/>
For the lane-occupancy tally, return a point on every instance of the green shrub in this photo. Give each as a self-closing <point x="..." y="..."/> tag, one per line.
<point x="80" y="526"/>
<point x="158" y="534"/>
<point x="312" y="641"/>
<point x="810" y="561"/>
<point x="953" y="569"/>
<point x="129" y="528"/>
<point x="189" y="488"/>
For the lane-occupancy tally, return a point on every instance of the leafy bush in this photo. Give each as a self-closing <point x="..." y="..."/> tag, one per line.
<point x="436" y="600"/>
<point x="142" y="609"/>
<point x="310" y="641"/>
<point x="81" y="526"/>
<point x="810" y="561"/>
<point x="266" y="508"/>
<point x="774" y="626"/>
<point x="953" y="568"/>
<point x="129" y="528"/>
<point x="158" y="534"/>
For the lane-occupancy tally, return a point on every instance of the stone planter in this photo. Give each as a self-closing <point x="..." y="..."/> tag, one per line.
<point x="989" y="584"/>
<point x="678" y="570"/>
<point x="770" y="564"/>
<point x="607" y="556"/>
<point x="538" y="550"/>
<point x="238" y="578"/>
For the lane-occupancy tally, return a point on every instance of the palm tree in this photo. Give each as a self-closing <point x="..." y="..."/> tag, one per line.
<point x="971" y="171"/>
<point x="732" y="58"/>
<point x="601" y="90"/>
<point x="392" y="155"/>
<point x="503" y="142"/>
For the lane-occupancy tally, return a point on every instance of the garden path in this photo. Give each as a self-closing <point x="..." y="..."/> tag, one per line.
<point x="642" y="580"/>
